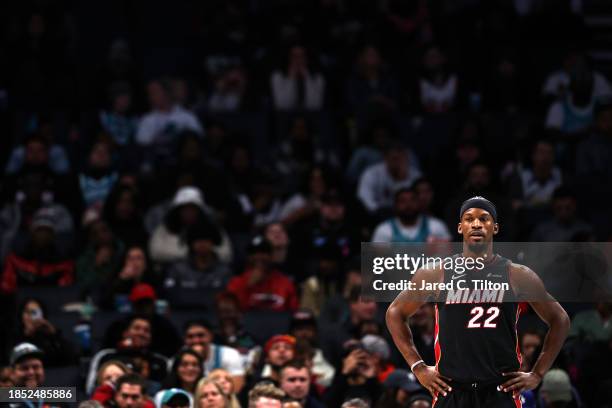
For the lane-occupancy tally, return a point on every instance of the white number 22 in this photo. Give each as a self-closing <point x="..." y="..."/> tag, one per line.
<point x="489" y="323"/>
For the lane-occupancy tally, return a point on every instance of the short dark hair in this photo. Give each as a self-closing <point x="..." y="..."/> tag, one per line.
<point x="132" y="379"/>
<point x="296" y="363"/>
<point x="198" y="322"/>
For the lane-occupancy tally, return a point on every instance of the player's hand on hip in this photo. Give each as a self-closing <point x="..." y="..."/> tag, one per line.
<point x="432" y="380"/>
<point x="520" y="381"/>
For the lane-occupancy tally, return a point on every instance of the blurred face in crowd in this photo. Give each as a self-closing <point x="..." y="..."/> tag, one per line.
<point x="126" y="205"/>
<point x="280" y="353"/>
<point x="466" y="153"/>
<point x="122" y="103"/>
<point x="266" y="402"/>
<point x="43" y="237"/>
<point x="228" y="309"/>
<point x="478" y="177"/>
<point x="139" y="331"/>
<point x="129" y="396"/>
<point x="304" y="331"/>
<point x="189" y="369"/>
<point x="259" y="260"/>
<point x="529" y="344"/>
<point x="6" y="377"/>
<point x="297" y="57"/>
<point x="29" y="372"/>
<point x="101" y="233"/>
<point x="425" y="194"/>
<point x="36" y="153"/>
<point x="31" y="312"/>
<point x="198" y="338"/>
<point x="332" y="211"/>
<point x="564" y="208"/>
<point x="211" y="397"/>
<point x="543" y="155"/>
<point x="407" y="207"/>
<point x="277" y="235"/>
<point x="111" y="373"/>
<point x="316" y="183"/>
<point x="604" y="122"/>
<point x="224" y="379"/>
<point x="189" y="214"/>
<point x="100" y="156"/>
<point x="363" y="310"/>
<point x="295" y="382"/>
<point x="397" y="163"/>
<point x="137" y="261"/>
<point x="158" y="96"/>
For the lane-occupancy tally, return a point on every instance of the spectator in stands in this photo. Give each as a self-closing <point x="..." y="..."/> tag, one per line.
<point x="356" y="379"/>
<point x="123" y="212"/>
<point x="133" y="349"/>
<point x="107" y="377"/>
<point x="36" y="152"/>
<point x="419" y="401"/>
<point x="438" y="85"/>
<point x="307" y="200"/>
<point x="173" y="398"/>
<point x="277" y="352"/>
<point x="198" y="336"/>
<point x="573" y="114"/>
<point x="100" y="258"/>
<point x="27" y="363"/>
<point x="376" y="137"/>
<point x="210" y="394"/>
<point x="266" y="395"/>
<point x="330" y="225"/>
<point x="557" y="84"/>
<point x="400" y="387"/>
<point x="166" y="119"/>
<point x="355" y="403"/>
<point x="594" y="174"/>
<point x="594" y="325"/>
<point x="229" y="92"/>
<point x="424" y="189"/>
<point x="297" y="86"/>
<point x="260" y="202"/>
<point x="379" y="182"/>
<point x="225" y="380"/>
<point x="409" y="223"/>
<point x="33" y="327"/>
<point x="99" y="176"/>
<point x="565" y="223"/>
<point x="40" y="263"/>
<point x="371" y="88"/>
<point x="6" y="377"/>
<point x="277" y="236"/>
<point x="325" y="281"/>
<point x="133" y="270"/>
<point x="536" y="184"/>
<point x="379" y="351"/>
<point x="595" y="377"/>
<point x="118" y="120"/>
<point x="131" y="393"/>
<point x="202" y="270"/>
<point x="530" y="342"/>
<point x="168" y="241"/>
<point x="231" y="331"/>
<point x="260" y="287"/>
<point x="295" y="380"/>
<point x="556" y="389"/>
<point x="187" y="369"/>
<point x="303" y="326"/>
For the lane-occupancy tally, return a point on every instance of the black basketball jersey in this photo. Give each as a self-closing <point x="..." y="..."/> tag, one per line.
<point x="476" y="318"/>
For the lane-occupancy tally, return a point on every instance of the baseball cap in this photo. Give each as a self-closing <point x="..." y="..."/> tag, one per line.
<point x="279" y="338"/>
<point x="403" y="379"/>
<point x="174" y="397"/>
<point x="556" y="383"/>
<point x="44" y="218"/>
<point x="376" y="345"/>
<point x="303" y="317"/>
<point x="142" y="291"/>
<point x="23" y="350"/>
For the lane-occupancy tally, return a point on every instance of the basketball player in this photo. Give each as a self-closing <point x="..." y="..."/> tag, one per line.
<point x="476" y="347"/>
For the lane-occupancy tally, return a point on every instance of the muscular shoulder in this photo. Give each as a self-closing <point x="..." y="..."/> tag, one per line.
<point x="526" y="283"/>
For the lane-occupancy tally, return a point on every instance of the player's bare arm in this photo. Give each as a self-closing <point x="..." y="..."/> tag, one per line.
<point x="398" y="313"/>
<point x="527" y="285"/>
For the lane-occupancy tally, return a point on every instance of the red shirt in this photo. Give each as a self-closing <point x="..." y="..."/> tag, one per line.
<point x="20" y="270"/>
<point x="274" y="292"/>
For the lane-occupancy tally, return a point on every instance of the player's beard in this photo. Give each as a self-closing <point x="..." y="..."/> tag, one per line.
<point x="478" y="247"/>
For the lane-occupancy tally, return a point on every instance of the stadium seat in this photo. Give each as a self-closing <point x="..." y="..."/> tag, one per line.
<point x="54" y="298"/>
<point x="264" y="324"/>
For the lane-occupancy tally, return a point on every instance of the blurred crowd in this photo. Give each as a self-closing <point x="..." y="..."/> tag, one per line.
<point x="192" y="182"/>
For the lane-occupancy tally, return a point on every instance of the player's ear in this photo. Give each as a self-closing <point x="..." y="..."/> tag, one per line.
<point x="495" y="228"/>
<point x="459" y="228"/>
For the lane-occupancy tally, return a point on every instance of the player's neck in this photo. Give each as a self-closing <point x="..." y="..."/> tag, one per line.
<point x="487" y="253"/>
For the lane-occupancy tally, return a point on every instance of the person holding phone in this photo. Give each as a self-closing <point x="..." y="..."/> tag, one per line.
<point x="33" y="327"/>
